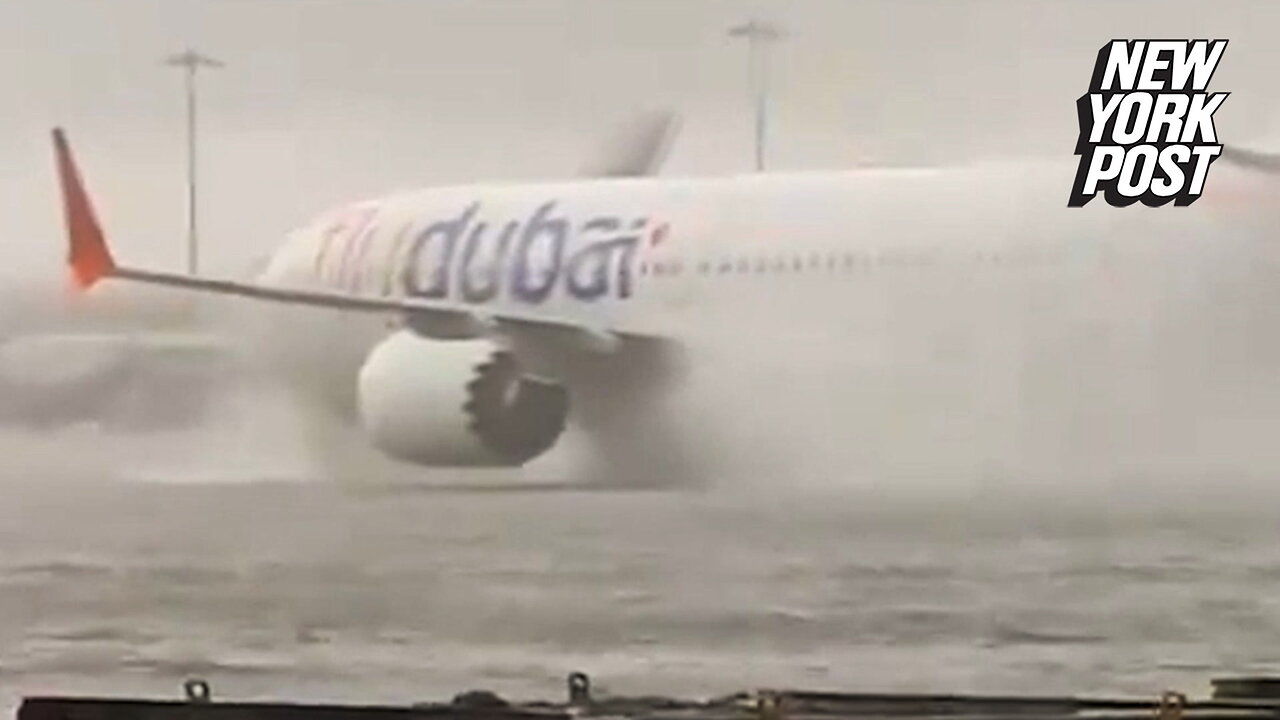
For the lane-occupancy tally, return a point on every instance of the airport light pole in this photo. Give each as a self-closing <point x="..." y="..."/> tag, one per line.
<point x="191" y="62"/>
<point x="758" y="35"/>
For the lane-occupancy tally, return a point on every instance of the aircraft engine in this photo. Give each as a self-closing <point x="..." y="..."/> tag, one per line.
<point x="461" y="403"/>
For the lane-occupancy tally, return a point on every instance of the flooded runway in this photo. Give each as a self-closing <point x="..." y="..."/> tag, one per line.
<point x="297" y="590"/>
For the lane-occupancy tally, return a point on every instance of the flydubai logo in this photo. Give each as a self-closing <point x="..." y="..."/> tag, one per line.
<point x="1146" y="124"/>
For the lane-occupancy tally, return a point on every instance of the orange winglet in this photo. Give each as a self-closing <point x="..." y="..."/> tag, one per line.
<point x="88" y="256"/>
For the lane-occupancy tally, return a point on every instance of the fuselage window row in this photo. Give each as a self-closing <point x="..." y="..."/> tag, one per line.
<point x="835" y="262"/>
<point x="350" y="276"/>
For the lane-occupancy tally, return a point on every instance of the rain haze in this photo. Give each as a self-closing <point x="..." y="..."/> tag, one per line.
<point x="323" y="101"/>
<point x="865" y="524"/>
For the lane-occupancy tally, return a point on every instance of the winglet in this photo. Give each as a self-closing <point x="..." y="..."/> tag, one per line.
<point x="88" y="256"/>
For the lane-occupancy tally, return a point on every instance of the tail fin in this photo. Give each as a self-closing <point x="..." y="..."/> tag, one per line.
<point x="88" y="255"/>
<point x="637" y="148"/>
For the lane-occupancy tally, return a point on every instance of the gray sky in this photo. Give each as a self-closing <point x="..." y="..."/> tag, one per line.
<point x="327" y="100"/>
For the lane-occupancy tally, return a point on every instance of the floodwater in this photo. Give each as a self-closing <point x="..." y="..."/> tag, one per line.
<point x="320" y="591"/>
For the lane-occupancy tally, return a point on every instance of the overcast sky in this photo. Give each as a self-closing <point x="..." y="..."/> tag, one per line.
<point x="327" y="100"/>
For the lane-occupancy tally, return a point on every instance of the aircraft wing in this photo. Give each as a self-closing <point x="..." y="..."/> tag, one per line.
<point x="91" y="260"/>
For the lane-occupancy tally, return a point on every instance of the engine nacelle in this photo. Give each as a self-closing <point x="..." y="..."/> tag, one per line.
<point x="457" y="403"/>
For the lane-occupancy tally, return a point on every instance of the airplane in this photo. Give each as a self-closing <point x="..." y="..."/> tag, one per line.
<point x="469" y="326"/>
<point x="141" y="361"/>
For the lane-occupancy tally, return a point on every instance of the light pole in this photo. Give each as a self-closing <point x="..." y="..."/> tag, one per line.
<point x="759" y="35"/>
<point x="191" y="61"/>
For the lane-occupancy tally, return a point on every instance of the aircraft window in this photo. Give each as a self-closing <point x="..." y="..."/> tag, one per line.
<point x="779" y="264"/>
<point x="644" y="268"/>
<point x="744" y="265"/>
<point x="704" y="267"/>
<point x="676" y="267"/>
<point x="815" y="261"/>
<point x="797" y="264"/>
<point x="726" y="267"/>
<point x="761" y="266"/>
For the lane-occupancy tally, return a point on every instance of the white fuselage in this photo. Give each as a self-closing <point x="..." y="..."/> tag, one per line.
<point x="949" y="298"/>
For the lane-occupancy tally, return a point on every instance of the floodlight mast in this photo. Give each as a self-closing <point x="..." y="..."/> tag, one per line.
<point x="759" y="35"/>
<point x="191" y="62"/>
